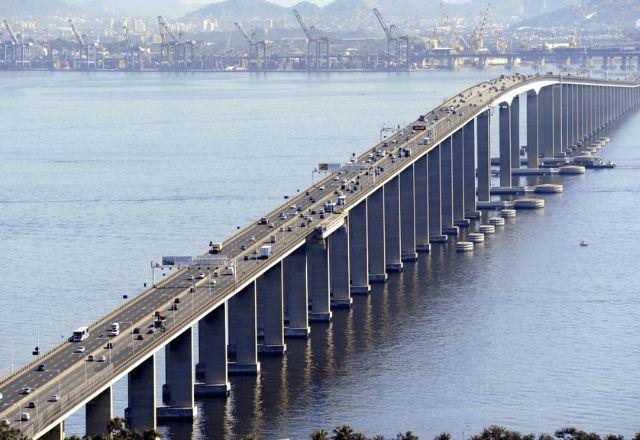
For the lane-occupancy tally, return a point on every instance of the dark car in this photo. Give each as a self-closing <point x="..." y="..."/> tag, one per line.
<point x="41" y="367"/>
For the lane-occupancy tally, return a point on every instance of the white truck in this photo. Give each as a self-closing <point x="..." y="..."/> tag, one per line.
<point x="265" y="251"/>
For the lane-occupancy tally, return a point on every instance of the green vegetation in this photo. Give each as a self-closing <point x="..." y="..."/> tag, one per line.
<point x="116" y="431"/>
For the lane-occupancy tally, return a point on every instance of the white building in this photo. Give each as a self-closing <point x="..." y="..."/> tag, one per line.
<point x="139" y="27"/>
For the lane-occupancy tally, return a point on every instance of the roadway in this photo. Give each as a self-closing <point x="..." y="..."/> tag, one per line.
<point x="70" y="376"/>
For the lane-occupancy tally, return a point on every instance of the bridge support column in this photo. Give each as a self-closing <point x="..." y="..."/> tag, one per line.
<point x="296" y="289"/>
<point x="505" y="145"/>
<point x="407" y="215"/>
<point x="457" y="154"/>
<point x="141" y="411"/>
<point x="532" y="129"/>
<point x="269" y="286"/>
<point x="514" y="116"/>
<point x="565" y="110"/>
<point x="177" y="393"/>
<point x="446" y="187"/>
<point x="421" y="179"/>
<point x="545" y="119"/>
<point x="392" y="225"/>
<point x="483" y="122"/>
<point x="99" y="411"/>
<point x="55" y="433"/>
<point x="469" y="132"/>
<point x="318" y="275"/>
<point x="246" y="332"/>
<point x="557" y="120"/>
<point x="435" y="197"/>
<point x="579" y="113"/>
<point x="339" y="268"/>
<point x="212" y="353"/>
<point x="376" y="237"/>
<point x="358" y="249"/>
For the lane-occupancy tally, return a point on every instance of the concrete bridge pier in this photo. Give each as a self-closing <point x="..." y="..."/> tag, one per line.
<point x="376" y="237"/>
<point x="212" y="353"/>
<point x="532" y="129"/>
<point x="177" y="392"/>
<point x="573" y="122"/>
<point x="246" y="332"/>
<point x="483" y="122"/>
<point x="421" y="179"/>
<point x="457" y="165"/>
<point x="545" y="120"/>
<point x="557" y="120"/>
<point x="579" y="114"/>
<point x="56" y="433"/>
<point x="141" y="411"/>
<point x="393" y="248"/>
<point x="99" y="411"/>
<point x="446" y="187"/>
<point x="514" y="117"/>
<point x="296" y="290"/>
<point x="318" y="275"/>
<point x="435" y="197"/>
<point x="566" y="108"/>
<point x="358" y="249"/>
<point x="270" y="288"/>
<point x="407" y="215"/>
<point x="339" y="269"/>
<point x="469" y="165"/>
<point x="505" y="145"/>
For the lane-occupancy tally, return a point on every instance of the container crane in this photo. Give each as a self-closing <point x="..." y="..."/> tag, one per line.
<point x="182" y="51"/>
<point x="84" y="47"/>
<point x="320" y="44"/>
<point x="18" y="46"/>
<point x="130" y="54"/>
<point x="478" y="42"/>
<point x="257" y="48"/>
<point x="395" y="39"/>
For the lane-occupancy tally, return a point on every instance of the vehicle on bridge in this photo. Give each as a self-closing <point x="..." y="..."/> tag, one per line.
<point x="80" y="334"/>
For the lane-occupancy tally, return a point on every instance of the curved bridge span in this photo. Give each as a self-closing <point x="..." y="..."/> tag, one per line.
<point x="414" y="189"/>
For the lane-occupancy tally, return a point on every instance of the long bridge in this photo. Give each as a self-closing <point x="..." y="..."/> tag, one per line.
<point x="414" y="189"/>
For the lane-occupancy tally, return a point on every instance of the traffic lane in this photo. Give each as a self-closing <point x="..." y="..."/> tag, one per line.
<point x="304" y="205"/>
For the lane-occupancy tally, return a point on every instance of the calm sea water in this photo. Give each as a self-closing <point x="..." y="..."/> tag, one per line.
<point x="101" y="173"/>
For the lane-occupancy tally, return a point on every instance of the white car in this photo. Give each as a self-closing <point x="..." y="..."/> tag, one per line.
<point x="25" y="390"/>
<point x="24" y="417"/>
<point x="101" y="358"/>
<point x="191" y="277"/>
<point x="54" y="398"/>
<point x="200" y="276"/>
<point x="0" y="396"/>
<point x="79" y="350"/>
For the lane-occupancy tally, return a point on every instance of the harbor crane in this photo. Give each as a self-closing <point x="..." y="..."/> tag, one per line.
<point x="175" y="53"/>
<point x="131" y="54"/>
<point x="321" y="44"/>
<point x="395" y="39"/>
<point x="257" y="48"/>
<point x="19" y="50"/>
<point x="478" y="42"/>
<point x="86" y="50"/>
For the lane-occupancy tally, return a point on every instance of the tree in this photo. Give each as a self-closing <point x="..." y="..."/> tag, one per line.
<point x="320" y="434"/>
<point x="443" y="436"/>
<point x="406" y="436"/>
<point x="343" y="432"/>
<point x="9" y="433"/>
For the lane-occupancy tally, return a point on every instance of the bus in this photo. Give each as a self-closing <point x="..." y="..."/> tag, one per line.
<point x="80" y="334"/>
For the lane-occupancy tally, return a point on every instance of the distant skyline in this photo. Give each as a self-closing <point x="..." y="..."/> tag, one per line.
<point x="279" y="2"/>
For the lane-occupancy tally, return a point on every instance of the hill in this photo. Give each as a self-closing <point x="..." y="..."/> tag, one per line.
<point x="596" y="15"/>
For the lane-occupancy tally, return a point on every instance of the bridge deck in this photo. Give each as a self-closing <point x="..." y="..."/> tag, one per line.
<point x="77" y="381"/>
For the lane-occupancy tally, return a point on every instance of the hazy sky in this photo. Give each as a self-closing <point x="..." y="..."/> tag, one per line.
<point x="280" y="2"/>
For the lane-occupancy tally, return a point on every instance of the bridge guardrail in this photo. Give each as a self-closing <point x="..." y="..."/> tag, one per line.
<point x="443" y="130"/>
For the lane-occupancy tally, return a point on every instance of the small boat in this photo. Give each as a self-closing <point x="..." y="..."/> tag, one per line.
<point x="583" y="243"/>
